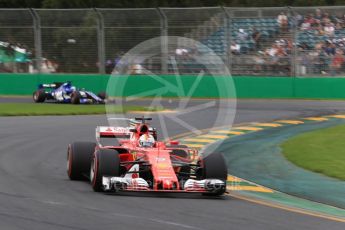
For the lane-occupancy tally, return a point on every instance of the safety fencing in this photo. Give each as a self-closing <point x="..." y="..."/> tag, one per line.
<point x="283" y="41"/>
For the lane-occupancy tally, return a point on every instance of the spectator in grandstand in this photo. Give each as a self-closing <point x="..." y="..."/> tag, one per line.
<point x="304" y="46"/>
<point x="318" y="14"/>
<point x="288" y="46"/>
<point x="274" y="55"/>
<point x="282" y="48"/>
<point x="319" y="46"/>
<point x="310" y="18"/>
<point x="256" y="35"/>
<point x="109" y="66"/>
<point x="342" y="43"/>
<point x="235" y="48"/>
<point x="137" y="69"/>
<point x="181" y="51"/>
<point x="48" y="66"/>
<point x="283" y="21"/>
<point x="329" y="47"/>
<point x="318" y="61"/>
<point x="118" y="65"/>
<point x="9" y="49"/>
<point x="303" y="60"/>
<point x="341" y="20"/>
<point x="337" y="62"/>
<point x="259" y="62"/>
<point x="272" y="51"/>
<point x="325" y="19"/>
<point x="306" y="25"/>
<point x="242" y="35"/>
<point x="297" y="19"/>
<point x="329" y="29"/>
<point x="319" y="30"/>
<point x="338" y="26"/>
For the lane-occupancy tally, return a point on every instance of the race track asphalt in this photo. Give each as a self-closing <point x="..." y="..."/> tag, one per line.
<point x="35" y="192"/>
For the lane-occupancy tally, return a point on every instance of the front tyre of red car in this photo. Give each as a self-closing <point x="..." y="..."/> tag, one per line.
<point x="213" y="166"/>
<point x="39" y="96"/>
<point x="105" y="162"/>
<point x="79" y="155"/>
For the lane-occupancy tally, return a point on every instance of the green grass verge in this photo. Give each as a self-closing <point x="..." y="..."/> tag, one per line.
<point x="31" y="109"/>
<point x="321" y="151"/>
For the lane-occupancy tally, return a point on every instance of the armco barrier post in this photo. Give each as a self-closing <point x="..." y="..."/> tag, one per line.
<point x="294" y="30"/>
<point x="164" y="41"/>
<point x="228" y="39"/>
<point x="100" y="42"/>
<point x="37" y="39"/>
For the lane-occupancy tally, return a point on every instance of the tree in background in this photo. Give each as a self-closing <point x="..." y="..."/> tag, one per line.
<point x="162" y="3"/>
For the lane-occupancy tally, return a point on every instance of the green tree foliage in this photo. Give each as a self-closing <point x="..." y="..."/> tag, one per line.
<point x="20" y="3"/>
<point x="160" y="3"/>
<point x="310" y="3"/>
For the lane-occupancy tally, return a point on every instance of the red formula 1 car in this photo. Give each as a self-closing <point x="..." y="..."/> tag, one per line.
<point x="141" y="163"/>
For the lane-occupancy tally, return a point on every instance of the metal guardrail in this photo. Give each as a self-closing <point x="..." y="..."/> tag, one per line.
<point x="283" y="41"/>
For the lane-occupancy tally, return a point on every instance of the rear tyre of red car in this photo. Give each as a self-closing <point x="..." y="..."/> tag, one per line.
<point x="39" y="96"/>
<point x="79" y="156"/>
<point x="75" y="97"/>
<point x="213" y="166"/>
<point x="105" y="162"/>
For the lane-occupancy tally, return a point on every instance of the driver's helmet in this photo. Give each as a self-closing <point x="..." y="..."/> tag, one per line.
<point x="146" y="140"/>
<point x="70" y="89"/>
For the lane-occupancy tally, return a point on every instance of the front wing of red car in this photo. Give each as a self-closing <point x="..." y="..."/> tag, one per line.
<point x="115" y="184"/>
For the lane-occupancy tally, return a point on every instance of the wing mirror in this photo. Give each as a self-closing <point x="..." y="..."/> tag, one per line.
<point x="174" y="142"/>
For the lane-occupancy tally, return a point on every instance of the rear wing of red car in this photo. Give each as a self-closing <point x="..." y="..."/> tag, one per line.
<point x="113" y="132"/>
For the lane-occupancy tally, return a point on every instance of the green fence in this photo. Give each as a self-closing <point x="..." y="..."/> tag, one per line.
<point x="26" y="84"/>
<point x="205" y="87"/>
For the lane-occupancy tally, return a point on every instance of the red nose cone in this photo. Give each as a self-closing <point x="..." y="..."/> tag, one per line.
<point x="167" y="184"/>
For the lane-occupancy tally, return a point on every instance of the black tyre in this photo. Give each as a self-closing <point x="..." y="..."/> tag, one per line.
<point x="213" y="166"/>
<point x="75" y="97"/>
<point x="102" y="95"/>
<point x="39" y="96"/>
<point x="105" y="162"/>
<point x="79" y="155"/>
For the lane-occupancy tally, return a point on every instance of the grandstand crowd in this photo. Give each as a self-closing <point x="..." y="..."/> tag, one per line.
<point x="319" y="39"/>
<point x="288" y="43"/>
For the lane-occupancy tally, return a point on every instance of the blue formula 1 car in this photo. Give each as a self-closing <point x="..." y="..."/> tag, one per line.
<point x="66" y="93"/>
